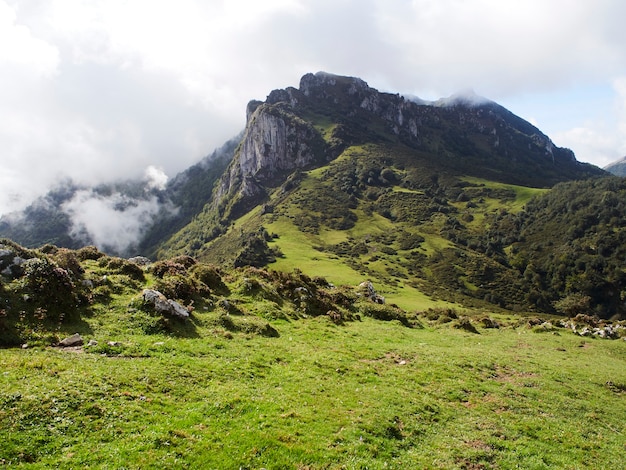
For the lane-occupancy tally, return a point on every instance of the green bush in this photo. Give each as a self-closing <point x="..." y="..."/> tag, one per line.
<point x="180" y="287"/>
<point x="384" y="313"/>
<point x="68" y="260"/>
<point x="89" y="252"/>
<point x="209" y="275"/>
<point x="50" y="286"/>
<point x="123" y="266"/>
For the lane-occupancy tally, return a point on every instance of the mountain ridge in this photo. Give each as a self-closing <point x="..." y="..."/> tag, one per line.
<point x="421" y="198"/>
<point x="617" y="168"/>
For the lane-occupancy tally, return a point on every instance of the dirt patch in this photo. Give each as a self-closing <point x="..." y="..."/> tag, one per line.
<point x="389" y="357"/>
<point x="508" y="375"/>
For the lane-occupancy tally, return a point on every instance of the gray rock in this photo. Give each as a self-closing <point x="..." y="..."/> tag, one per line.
<point x="71" y="341"/>
<point x="163" y="305"/>
<point x="366" y="288"/>
<point x="177" y="309"/>
<point x="140" y="260"/>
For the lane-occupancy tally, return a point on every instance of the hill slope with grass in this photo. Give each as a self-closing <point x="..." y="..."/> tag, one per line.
<point x="282" y="370"/>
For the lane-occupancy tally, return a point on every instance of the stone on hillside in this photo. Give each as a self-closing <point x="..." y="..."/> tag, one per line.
<point x="71" y="341"/>
<point x="140" y="260"/>
<point x="163" y="305"/>
<point x="366" y="289"/>
<point x="177" y="309"/>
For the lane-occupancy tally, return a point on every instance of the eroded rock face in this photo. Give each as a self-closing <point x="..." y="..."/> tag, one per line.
<point x="280" y="138"/>
<point x="275" y="143"/>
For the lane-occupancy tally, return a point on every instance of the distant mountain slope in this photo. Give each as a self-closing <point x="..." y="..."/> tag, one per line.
<point x="617" y="168"/>
<point x="123" y="218"/>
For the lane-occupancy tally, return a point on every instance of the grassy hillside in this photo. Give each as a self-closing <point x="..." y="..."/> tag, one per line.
<point x="366" y="394"/>
<point x="284" y="370"/>
<point x="421" y="237"/>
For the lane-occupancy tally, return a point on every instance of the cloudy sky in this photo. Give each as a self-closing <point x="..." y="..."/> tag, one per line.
<point x="101" y="89"/>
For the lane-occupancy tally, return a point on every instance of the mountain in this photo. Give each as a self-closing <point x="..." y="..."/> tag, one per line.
<point x="336" y="177"/>
<point x="339" y="180"/>
<point x="329" y="116"/>
<point x="617" y="168"/>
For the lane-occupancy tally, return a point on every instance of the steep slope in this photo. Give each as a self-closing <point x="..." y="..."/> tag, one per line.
<point x="569" y="247"/>
<point x="302" y="128"/>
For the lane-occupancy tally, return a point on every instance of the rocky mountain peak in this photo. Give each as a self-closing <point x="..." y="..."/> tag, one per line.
<point x="313" y="85"/>
<point x="298" y="128"/>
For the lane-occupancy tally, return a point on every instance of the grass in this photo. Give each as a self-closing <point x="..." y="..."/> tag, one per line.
<point x="295" y="245"/>
<point x="523" y="194"/>
<point x="254" y="379"/>
<point x="367" y="394"/>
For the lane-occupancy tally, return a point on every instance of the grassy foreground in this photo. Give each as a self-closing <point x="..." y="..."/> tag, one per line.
<point x="365" y="394"/>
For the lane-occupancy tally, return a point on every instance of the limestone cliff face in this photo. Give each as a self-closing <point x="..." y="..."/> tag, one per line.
<point x="275" y="143"/>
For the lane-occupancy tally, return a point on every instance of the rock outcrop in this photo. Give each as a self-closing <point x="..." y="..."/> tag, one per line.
<point x="163" y="305"/>
<point x="71" y="341"/>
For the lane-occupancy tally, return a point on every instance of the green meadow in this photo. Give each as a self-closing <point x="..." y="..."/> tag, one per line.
<point x="315" y="395"/>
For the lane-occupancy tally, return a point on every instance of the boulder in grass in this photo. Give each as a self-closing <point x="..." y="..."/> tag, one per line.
<point x="163" y="305"/>
<point x="71" y="341"/>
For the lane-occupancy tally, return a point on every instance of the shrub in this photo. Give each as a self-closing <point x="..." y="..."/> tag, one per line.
<point x="186" y="261"/>
<point x="89" y="252"/>
<point x="50" y="286"/>
<point x="168" y="267"/>
<point x="465" y="324"/>
<point x="209" y="275"/>
<point x="68" y="260"/>
<point x="180" y="287"/>
<point x="384" y="313"/>
<point x="573" y="304"/>
<point x="123" y="266"/>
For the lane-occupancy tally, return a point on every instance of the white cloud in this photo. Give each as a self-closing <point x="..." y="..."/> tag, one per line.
<point x="156" y="178"/>
<point x="601" y="141"/>
<point x="113" y="222"/>
<point x="22" y="51"/>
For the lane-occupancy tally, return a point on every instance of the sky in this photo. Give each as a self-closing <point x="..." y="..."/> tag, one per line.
<point x="98" y="90"/>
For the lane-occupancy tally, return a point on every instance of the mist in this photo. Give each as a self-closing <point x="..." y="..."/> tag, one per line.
<point x="115" y="221"/>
